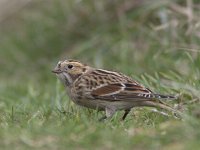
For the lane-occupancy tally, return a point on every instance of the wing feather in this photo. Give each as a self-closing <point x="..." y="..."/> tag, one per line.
<point x="112" y="86"/>
<point x="107" y="90"/>
<point x="122" y="91"/>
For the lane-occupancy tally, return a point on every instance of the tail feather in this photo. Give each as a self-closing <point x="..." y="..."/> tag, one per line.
<point x="159" y="96"/>
<point x="153" y="95"/>
<point x="163" y="106"/>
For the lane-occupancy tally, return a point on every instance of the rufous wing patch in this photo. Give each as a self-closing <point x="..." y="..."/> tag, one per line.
<point x="108" y="89"/>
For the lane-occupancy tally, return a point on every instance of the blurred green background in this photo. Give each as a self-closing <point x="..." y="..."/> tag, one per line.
<point x="155" y="42"/>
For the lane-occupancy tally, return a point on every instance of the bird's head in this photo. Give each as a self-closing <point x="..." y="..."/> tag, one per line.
<point x="69" y="70"/>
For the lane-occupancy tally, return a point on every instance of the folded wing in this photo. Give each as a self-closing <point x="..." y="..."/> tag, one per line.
<point x="113" y="86"/>
<point x="123" y="91"/>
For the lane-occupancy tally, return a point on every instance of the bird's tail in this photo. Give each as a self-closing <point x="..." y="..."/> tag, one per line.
<point x="157" y="96"/>
<point x="160" y="96"/>
<point x="165" y="107"/>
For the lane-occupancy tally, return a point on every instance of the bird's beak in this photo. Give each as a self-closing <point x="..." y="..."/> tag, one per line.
<point x="56" y="71"/>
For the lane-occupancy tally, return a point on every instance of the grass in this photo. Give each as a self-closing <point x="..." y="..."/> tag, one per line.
<point x="151" y="42"/>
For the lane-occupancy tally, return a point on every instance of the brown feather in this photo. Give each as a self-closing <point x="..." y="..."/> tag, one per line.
<point x="106" y="90"/>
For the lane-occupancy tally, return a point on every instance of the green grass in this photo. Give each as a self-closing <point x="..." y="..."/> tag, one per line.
<point x="35" y="112"/>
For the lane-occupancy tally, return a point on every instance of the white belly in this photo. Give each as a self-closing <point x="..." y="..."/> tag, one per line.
<point x="102" y="104"/>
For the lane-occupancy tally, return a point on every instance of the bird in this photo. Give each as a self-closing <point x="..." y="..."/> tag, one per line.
<point x="106" y="90"/>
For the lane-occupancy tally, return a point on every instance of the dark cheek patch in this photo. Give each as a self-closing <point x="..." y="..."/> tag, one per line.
<point x="84" y="69"/>
<point x="75" y="76"/>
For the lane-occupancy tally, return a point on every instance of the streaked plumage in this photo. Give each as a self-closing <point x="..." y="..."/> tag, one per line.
<point x="105" y="90"/>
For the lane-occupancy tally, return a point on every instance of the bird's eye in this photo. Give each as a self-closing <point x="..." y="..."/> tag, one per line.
<point x="70" y="66"/>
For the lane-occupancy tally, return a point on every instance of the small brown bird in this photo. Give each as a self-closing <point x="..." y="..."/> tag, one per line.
<point x="105" y="90"/>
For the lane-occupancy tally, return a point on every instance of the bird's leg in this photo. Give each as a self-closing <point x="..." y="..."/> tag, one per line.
<point x="125" y="114"/>
<point x="109" y="113"/>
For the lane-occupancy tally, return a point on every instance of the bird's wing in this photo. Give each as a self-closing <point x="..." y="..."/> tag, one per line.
<point x="123" y="91"/>
<point x="112" y="86"/>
